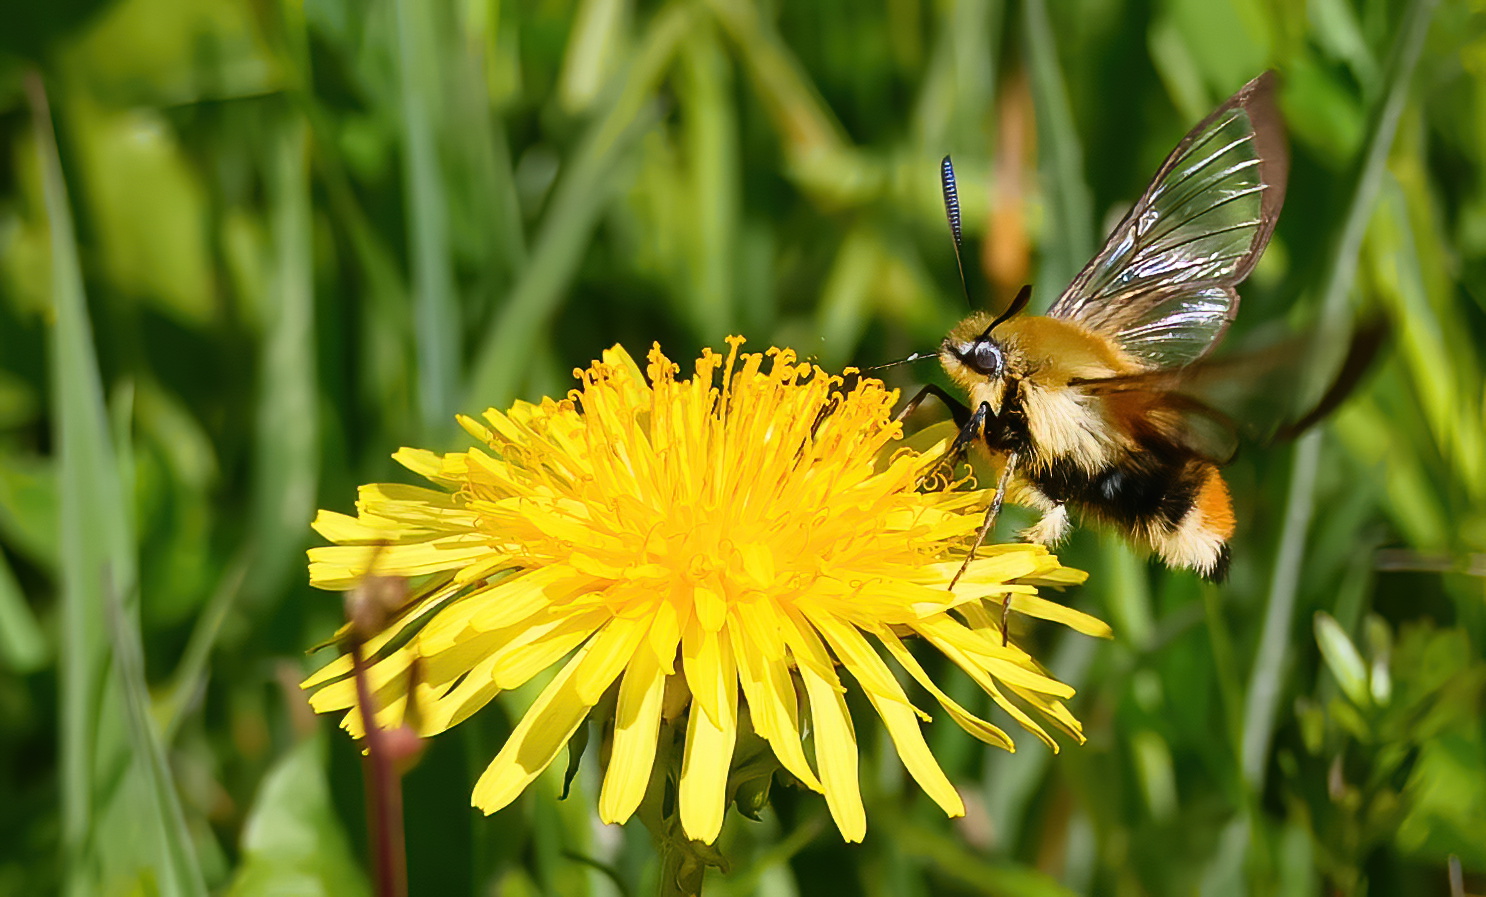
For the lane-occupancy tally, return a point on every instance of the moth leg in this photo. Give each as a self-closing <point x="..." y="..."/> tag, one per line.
<point x="957" y="409"/>
<point x="1049" y="530"/>
<point x="1052" y="527"/>
<point x="992" y="512"/>
<point x="970" y="424"/>
<point x="972" y="427"/>
<point x="970" y="430"/>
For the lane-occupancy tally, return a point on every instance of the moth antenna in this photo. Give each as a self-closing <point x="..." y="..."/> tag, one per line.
<point x="952" y="213"/>
<point x="1023" y="296"/>
<point x="917" y="356"/>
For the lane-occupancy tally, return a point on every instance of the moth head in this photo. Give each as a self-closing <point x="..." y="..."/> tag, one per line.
<point x="980" y="355"/>
<point x="971" y="352"/>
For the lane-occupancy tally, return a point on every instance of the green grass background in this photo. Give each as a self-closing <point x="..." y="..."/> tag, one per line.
<point x="247" y="249"/>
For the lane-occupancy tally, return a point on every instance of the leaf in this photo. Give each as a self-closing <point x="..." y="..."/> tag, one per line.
<point x="23" y="647"/>
<point x="293" y="842"/>
<point x="30" y="506"/>
<point x="1342" y="658"/>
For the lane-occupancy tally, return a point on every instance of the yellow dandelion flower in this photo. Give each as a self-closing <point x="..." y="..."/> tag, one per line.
<point x="734" y="540"/>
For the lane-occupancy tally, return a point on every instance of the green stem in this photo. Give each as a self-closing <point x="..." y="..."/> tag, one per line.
<point x="681" y="870"/>
<point x="682" y="866"/>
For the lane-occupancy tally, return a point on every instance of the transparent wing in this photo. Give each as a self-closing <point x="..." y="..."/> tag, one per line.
<point x="1162" y="286"/>
<point x="1256" y="389"/>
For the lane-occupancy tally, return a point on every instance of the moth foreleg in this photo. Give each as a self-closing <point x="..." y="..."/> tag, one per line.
<point x="957" y="409"/>
<point x="992" y="512"/>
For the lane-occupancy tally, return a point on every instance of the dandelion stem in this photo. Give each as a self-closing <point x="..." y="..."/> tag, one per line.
<point x="383" y="792"/>
<point x="681" y="870"/>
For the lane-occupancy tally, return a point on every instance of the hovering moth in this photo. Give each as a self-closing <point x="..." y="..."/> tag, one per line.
<point x="1083" y="405"/>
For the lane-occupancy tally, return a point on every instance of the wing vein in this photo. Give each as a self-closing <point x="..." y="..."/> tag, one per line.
<point x="1161" y="287"/>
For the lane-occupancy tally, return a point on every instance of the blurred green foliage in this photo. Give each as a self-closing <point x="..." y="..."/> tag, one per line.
<point x="252" y="248"/>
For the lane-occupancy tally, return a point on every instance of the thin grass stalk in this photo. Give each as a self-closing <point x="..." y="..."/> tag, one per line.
<point x="1273" y="657"/>
<point x="435" y="319"/>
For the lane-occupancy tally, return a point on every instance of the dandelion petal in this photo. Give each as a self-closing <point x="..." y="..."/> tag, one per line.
<point x="535" y="743"/>
<point x="709" y="754"/>
<point x="772" y="701"/>
<point x="897" y="714"/>
<point x="836" y="754"/>
<point x="636" y="727"/>
<point x="611" y="649"/>
<point x="966" y="720"/>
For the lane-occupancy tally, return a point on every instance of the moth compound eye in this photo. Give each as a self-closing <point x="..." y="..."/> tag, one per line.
<point x="983" y="357"/>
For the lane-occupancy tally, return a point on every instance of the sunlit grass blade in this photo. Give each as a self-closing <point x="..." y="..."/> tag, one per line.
<point x="1179" y="68"/>
<point x="818" y="154"/>
<point x="23" y="647"/>
<point x="99" y="581"/>
<point x="1432" y="327"/>
<point x="1127" y="593"/>
<point x="1068" y="235"/>
<point x="435" y="320"/>
<point x="957" y="97"/>
<point x="846" y="297"/>
<point x="1270" y="664"/>
<point x="154" y="804"/>
<point x="585" y="187"/>
<point x="288" y="431"/>
<point x="710" y="138"/>
<point x="594" y="49"/>
<point x="1375" y="436"/>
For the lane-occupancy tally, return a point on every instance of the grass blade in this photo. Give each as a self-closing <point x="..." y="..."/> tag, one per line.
<point x="94" y="542"/>
<point x="505" y="354"/>
<point x="710" y="132"/>
<point x="174" y="867"/>
<point x="288" y="436"/>
<point x="1272" y="658"/>
<point x="189" y="680"/>
<point x="957" y="98"/>
<point x="819" y="156"/>
<point x="847" y="296"/>
<point x="435" y="321"/>
<point x="1070" y="207"/>
<point x="23" y="647"/>
<point x="131" y="826"/>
